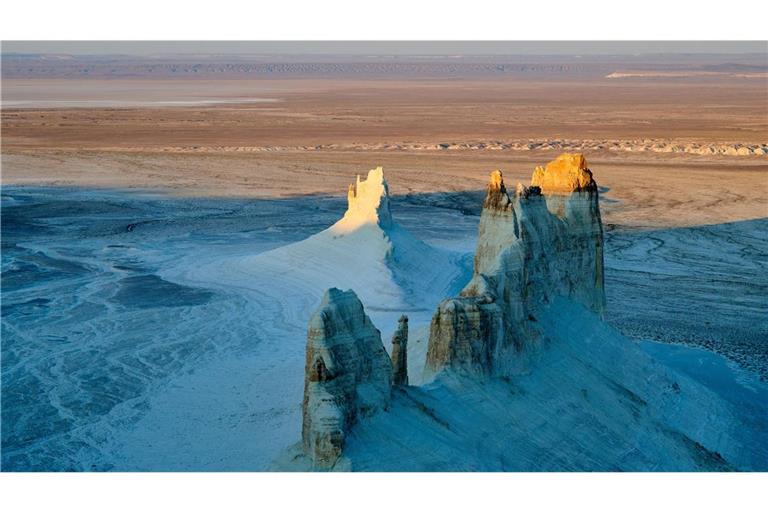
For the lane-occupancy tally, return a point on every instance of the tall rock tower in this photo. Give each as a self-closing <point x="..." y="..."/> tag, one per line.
<point x="400" y="353"/>
<point x="543" y="241"/>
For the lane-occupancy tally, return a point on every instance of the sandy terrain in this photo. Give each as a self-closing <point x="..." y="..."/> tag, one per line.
<point x="289" y="137"/>
<point x="311" y="112"/>
<point x="655" y="191"/>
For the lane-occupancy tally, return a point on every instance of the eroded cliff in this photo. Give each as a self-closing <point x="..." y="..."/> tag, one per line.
<point x="535" y="244"/>
<point x="368" y="201"/>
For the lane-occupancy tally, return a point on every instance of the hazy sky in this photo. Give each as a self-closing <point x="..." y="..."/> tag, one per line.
<point x="384" y="47"/>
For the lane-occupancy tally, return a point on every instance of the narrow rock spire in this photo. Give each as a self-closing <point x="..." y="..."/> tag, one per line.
<point x="400" y="353"/>
<point x="496" y="196"/>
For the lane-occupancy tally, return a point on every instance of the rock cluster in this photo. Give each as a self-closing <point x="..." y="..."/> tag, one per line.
<point x="544" y="241"/>
<point x="541" y="242"/>
<point x="348" y="374"/>
<point x="538" y="265"/>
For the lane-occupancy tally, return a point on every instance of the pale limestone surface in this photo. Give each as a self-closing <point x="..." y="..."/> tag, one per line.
<point x="368" y="202"/>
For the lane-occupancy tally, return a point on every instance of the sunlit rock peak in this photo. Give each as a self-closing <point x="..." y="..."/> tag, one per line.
<point x="368" y="202"/>
<point x="565" y="174"/>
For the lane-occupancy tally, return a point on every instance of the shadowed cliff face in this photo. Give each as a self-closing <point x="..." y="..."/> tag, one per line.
<point x="541" y="242"/>
<point x="400" y="353"/>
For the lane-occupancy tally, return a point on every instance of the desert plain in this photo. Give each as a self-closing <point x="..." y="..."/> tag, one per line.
<point x="283" y="137"/>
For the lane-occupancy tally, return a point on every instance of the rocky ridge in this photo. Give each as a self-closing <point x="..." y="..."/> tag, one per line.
<point x="540" y="242"/>
<point x="522" y="145"/>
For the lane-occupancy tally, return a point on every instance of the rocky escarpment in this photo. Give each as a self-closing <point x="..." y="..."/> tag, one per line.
<point x="665" y="146"/>
<point x="521" y="352"/>
<point x="348" y="374"/>
<point x="535" y="244"/>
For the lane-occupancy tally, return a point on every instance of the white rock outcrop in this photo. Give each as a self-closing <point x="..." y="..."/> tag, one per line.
<point x="534" y="245"/>
<point x="379" y="258"/>
<point x="348" y="374"/>
<point x="368" y="202"/>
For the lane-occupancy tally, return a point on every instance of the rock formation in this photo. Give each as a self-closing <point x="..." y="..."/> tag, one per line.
<point x="348" y="374"/>
<point x="541" y="242"/>
<point x="380" y="258"/>
<point x="368" y="201"/>
<point x="400" y="353"/>
<point x="579" y="392"/>
<point x="537" y="244"/>
<point x="566" y="174"/>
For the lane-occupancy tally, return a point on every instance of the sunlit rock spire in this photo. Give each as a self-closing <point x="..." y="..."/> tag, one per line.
<point x="368" y="201"/>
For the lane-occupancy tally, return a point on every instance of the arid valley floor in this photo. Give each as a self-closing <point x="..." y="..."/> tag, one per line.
<point x="118" y="191"/>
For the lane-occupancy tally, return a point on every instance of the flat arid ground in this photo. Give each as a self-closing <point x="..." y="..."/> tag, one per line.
<point x="120" y="190"/>
<point x="643" y="137"/>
